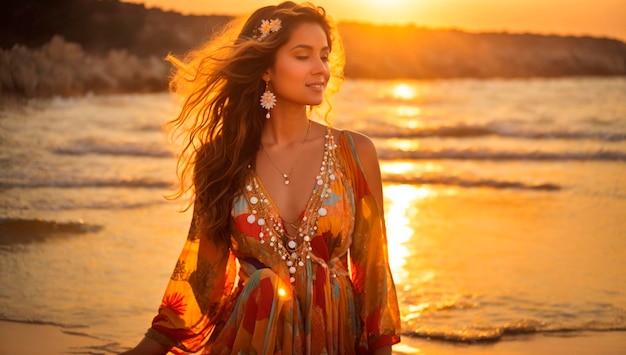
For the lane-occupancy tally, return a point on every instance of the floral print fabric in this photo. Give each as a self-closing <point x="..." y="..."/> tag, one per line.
<point x="239" y="299"/>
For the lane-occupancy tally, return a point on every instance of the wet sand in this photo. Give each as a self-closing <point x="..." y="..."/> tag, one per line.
<point x="35" y="339"/>
<point x="39" y="339"/>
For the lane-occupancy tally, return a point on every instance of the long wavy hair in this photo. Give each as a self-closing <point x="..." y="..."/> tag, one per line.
<point x="220" y="123"/>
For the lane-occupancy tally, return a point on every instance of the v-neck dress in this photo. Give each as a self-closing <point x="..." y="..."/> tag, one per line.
<point x="333" y="293"/>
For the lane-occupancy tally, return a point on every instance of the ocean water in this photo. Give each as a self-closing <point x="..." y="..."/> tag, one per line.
<point x="505" y="203"/>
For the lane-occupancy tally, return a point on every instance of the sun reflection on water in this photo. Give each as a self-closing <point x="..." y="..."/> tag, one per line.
<point x="400" y="167"/>
<point x="404" y="91"/>
<point x="400" y="204"/>
<point x="405" y="145"/>
<point x="410" y="111"/>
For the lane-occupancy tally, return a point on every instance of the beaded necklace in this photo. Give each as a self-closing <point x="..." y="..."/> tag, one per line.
<point x="292" y="249"/>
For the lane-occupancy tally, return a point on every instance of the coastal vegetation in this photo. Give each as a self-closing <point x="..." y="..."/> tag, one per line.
<point x="71" y="47"/>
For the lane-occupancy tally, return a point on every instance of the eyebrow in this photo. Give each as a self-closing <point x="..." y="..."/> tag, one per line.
<point x="306" y="46"/>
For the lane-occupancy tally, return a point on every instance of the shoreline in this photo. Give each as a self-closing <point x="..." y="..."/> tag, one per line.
<point x="558" y="343"/>
<point x="18" y="338"/>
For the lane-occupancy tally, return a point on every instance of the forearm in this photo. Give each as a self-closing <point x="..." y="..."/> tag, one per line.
<point x="147" y="346"/>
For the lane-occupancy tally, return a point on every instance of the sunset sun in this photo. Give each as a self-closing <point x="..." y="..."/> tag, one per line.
<point x="385" y="3"/>
<point x="385" y="11"/>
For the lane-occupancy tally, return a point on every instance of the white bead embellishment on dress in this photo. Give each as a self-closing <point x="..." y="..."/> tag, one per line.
<point x="293" y="250"/>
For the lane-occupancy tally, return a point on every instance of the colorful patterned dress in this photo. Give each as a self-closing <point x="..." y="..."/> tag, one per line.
<point x="326" y="290"/>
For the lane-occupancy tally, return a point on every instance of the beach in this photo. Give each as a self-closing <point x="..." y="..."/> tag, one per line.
<point x="33" y="339"/>
<point x="504" y="205"/>
<point x="39" y="339"/>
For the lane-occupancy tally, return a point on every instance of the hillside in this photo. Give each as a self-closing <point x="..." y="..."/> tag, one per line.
<point x="412" y="52"/>
<point x="67" y="47"/>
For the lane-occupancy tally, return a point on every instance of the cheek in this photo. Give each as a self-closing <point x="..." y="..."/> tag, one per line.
<point x="289" y="73"/>
<point x="298" y="69"/>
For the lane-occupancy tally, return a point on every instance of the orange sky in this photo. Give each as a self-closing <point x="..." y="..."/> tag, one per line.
<point x="566" y="17"/>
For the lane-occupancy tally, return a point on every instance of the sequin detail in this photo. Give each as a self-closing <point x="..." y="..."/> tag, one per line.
<point x="294" y="250"/>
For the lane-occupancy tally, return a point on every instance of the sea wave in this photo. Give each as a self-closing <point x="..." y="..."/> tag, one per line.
<point x="490" y="154"/>
<point x="101" y="146"/>
<point x="499" y="129"/>
<point x="23" y="231"/>
<point x="388" y="178"/>
<point x="86" y="183"/>
<point x="487" y="334"/>
<point x="465" y="182"/>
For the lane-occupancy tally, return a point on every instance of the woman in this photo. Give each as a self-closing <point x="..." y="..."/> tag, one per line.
<point x="287" y="250"/>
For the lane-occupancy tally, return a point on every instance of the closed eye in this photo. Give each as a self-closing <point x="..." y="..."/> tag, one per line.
<point x="324" y="58"/>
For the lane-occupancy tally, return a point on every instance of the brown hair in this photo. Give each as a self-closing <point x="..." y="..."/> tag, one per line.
<point x="221" y="119"/>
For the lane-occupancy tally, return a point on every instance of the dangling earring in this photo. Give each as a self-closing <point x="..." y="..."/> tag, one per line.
<point x="268" y="100"/>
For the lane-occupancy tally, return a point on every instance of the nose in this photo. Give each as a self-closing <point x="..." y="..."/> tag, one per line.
<point x="320" y="66"/>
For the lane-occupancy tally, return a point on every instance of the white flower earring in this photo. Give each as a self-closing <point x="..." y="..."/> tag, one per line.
<point x="268" y="99"/>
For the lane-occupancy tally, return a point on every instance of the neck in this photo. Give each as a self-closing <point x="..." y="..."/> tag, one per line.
<point x="285" y="127"/>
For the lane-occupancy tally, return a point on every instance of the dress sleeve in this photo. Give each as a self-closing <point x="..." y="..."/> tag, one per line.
<point x="369" y="264"/>
<point x="196" y="296"/>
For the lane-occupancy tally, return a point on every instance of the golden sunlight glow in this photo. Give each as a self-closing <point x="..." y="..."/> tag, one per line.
<point x="396" y="167"/>
<point x="414" y="123"/>
<point x="601" y="18"/>
<point x="382" y="11"/>
<point x="431" y="167"/>
<point x="404" y="167"/>
<point x="399" y="227"/>
<point x="406" y="145"/>
<point x="282" y="292"/>
<point x="409" y="111"/>
<point x="384" y="3"/>
<point x="403" y="92"/>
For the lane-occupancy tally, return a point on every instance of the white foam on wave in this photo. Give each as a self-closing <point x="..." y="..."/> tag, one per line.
<point x="491" y="154"/>
<point x="94" y="145"/>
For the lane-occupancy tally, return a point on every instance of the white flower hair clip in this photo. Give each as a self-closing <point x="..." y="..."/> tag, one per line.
<point x="267" y="27"/>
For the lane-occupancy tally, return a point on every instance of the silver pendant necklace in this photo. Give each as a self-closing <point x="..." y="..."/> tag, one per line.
<point x="285" y="176"/>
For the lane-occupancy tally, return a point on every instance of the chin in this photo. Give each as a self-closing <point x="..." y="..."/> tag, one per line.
<point x="316" y="102"/>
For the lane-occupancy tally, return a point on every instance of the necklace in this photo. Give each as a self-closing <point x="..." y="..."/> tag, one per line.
<point x="292" y="224"/>
<point x="286" y="175"/>
<point x="293" y="250"/>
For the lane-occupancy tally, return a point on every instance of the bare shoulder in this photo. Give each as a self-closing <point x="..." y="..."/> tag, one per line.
<point x="365" y="148"/>
<point x="368" y="157"/>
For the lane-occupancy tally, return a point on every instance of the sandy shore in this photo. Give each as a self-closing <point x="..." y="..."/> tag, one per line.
<point x="36" y="339"/>
<point x="33" y="339"/>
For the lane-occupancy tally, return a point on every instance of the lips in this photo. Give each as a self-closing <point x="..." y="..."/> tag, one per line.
<point x="316" y="85"/>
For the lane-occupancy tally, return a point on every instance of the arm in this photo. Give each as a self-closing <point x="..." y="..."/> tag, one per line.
<point x="369" y="161"/>
<point x="369" y="264"/>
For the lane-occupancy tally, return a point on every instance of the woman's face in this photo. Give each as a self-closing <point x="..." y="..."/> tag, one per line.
<point x="301" y="71"/>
